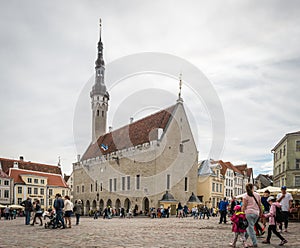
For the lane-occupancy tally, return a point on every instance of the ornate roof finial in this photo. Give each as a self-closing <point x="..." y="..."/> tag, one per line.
<point x="100" y="62"/>
<point x="100" y="24"/>
<point x="58" y="164"/>
<point x="180" y="86"/>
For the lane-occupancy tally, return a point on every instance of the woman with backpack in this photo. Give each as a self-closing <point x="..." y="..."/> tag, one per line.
<point x="273" y="221"/>
<point x="239" y="225"/>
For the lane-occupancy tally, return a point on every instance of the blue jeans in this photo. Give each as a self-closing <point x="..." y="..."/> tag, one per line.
<point x="27" y="217"/>
<point x="251" y="218"/>
<point x="59" y="218"/>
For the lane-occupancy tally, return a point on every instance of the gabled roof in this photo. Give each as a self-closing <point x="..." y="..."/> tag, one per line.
<point x="234" y="168"/>
<point x="27" y="165"/>
<point x="3" y="174"/>
<point x="53" y="179"/>
<point x="131" y="135"/>
<point x="205" y="168"/>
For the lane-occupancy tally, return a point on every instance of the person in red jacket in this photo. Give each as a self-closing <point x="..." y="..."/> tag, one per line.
<point x="237" y="228"/>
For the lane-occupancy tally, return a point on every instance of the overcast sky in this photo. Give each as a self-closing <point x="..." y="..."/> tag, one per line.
<point x="248" y="50"/>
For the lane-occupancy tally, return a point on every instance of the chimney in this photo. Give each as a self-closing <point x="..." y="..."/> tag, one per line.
<point x="78" y="158"/>
<point x="16" y="165"/>
<point x="110" y="129"/>
<point x="21" y="158"/>
<point x="131" y="120"/>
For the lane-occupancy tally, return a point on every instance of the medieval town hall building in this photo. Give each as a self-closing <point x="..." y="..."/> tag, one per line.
<point x="147" y="163"/>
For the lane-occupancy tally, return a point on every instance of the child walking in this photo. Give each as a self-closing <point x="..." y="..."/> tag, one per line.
<point x="272" y="222"/>
<point x="239" y="229"/>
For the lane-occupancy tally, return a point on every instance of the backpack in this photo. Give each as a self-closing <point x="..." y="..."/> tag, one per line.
<point x="243" y="223"/>
<point x="279" y="218"/>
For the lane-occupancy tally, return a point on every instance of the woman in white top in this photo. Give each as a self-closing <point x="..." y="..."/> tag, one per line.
<point x="68" y="210"/>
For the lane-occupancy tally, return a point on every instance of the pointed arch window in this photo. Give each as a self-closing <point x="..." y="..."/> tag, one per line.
<point x="98" y="112"/>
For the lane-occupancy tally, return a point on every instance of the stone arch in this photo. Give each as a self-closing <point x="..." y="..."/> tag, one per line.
<point x="127" y="204"/>
<point x="118" y="206"/>
<point x="145" y="205"/>
<point x="101" y="205"/>
<point x="88" y="207"/>
<point x="94" y="205"/>
<point x="109" y="203"/>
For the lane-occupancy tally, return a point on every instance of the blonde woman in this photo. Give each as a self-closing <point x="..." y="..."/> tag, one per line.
<point x="68" y="210"/>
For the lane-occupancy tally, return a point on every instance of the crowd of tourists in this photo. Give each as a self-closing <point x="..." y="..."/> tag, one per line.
<point x="60" y="213"/>
<point x="251" y="216"/>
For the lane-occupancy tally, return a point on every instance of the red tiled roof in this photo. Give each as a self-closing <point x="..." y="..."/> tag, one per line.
<point x="53" y="179"/>
<point x="27" y="165"/>
<point x="241" y="167"/>
<point x="234" y="168"/>
<point x="131" y="135"/>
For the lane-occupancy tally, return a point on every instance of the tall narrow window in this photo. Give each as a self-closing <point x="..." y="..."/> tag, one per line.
<point x="96" y="186"/>
<point x="297" y="166"/>
<point x="280" y="153"/>
<point x="284" y="148"/>
<point x="181" y="147"/>
<point x="123" y="183"/>
<point x="91" y="187"/>
<point x="82" y="189"/>
<point x="110" y="185"/>
<point x="185" y="184"/>
<point x="298" y="146"/>
<point x="128" y="182"/>
<point x="297" y="181"/>
<point x="102" y="113"/>
<point x="168" y="181"/>
<point x="138" y="178"/>
<point x="98" y="112"/>
<point x="213" y="187"/>
<point x="77" y="188"/>
<point x="6" y="193"/>
<point x="115" y="184"/>
<point x="283" y="166"/>
<point x="217" y="187"/>
<point x="101" y="187"/>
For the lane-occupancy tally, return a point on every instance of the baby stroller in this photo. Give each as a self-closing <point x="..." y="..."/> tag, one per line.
<point x="51" y="216"/>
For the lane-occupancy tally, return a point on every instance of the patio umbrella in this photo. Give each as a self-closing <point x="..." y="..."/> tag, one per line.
<point x="270" y="188"/>
<point x="2" y="206"/>
<point x="14" y="206"/>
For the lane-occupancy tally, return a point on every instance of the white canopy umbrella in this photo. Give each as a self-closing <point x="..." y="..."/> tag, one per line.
<point x="14" y="206"/>
<point x="271" y="189"/>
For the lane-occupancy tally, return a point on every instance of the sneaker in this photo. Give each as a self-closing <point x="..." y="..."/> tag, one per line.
<point x="266" y="242"/>
<point x="283" y="242"/>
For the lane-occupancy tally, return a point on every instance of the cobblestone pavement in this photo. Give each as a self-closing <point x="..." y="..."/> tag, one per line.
<point x="136" y="232"/>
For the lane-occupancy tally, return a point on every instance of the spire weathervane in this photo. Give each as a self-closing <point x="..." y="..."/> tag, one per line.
<point x="180" y="86"/>
<point x="100" y="24"/>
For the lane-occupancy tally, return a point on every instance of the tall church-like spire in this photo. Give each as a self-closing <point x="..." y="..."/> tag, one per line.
<point x="99" y="95"/>
<point x="100" y="62"/>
